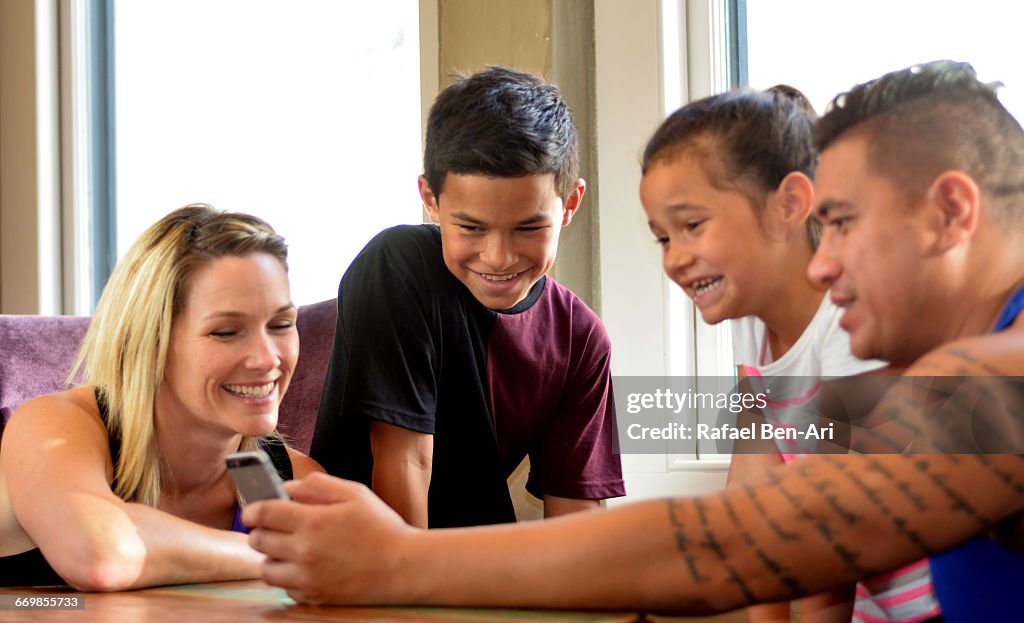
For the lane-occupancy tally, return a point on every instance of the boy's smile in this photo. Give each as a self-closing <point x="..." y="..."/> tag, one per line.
<point x="499" y="235"/>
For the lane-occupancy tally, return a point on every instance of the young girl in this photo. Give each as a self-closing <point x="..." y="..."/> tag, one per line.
<point x="727" y="190"/>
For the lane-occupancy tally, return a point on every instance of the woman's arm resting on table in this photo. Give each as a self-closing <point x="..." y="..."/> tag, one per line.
<point x="56" y="460"/>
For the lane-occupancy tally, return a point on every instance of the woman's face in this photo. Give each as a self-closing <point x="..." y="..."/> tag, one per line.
<point x="233" y="348"/>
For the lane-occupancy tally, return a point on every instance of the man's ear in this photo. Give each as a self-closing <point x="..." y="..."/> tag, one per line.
<point x="572" y="202"/>
<point x="429" y="199"/>
<point x="957" y="199"/>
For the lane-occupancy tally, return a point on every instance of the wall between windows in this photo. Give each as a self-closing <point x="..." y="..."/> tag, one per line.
<point x="554" y="39"/>
<point x="29" y="146"/>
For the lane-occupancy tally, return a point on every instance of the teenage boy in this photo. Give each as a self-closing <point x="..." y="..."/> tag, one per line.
<point x="921" y="189"/>
<point x="455" y="355"/>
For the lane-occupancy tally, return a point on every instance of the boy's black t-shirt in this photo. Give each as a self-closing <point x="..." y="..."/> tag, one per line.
<point x="413" y="348"/>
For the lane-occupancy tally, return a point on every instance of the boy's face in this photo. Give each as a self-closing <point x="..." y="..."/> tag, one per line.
<point x="499" y="235"/>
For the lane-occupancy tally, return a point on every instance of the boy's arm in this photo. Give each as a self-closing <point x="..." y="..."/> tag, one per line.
<point x="402" y="464"/>
<point x="575" y="464"/>
<point x="384" y="360"/>
<point x="555" y="506"/>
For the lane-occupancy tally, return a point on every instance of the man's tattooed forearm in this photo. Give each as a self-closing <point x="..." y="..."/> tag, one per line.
<point x="898" y="522"/>
<point x="774" y="525"/>
<point x="820" y="524"/>
<point x="970" y="359"/>
<point x="710" y="542"/>
<point x="682" y="543"/>
<point x="735" y="519"/>
<point x="957" y="501"/>
<point x="904" y="488"/>
<point x="773" y="566"/>
<point x="825" y="489"/>
<point x="1006" y="477"/>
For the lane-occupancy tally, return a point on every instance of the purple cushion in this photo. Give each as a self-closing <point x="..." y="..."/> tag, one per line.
<point x="36" y="353"/>
<point x="297" y="417"/>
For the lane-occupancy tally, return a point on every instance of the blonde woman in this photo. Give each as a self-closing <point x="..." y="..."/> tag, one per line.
<point x="120" y="482"/>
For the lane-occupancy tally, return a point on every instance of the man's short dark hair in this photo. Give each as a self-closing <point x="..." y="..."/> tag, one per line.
<point x="930" y="118"/>
<point x="501" y="123"/>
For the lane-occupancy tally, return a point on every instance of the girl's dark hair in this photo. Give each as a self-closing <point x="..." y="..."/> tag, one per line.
<point x="747" y="140"/>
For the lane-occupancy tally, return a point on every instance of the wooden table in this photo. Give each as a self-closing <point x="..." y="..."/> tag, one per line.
<point x="252" y="600"/>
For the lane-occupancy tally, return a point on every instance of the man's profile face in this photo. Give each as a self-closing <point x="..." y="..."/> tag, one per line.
<point x="873" y="256"/>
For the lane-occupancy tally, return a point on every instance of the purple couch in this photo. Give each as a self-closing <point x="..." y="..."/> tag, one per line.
<point x="36" y="353"/>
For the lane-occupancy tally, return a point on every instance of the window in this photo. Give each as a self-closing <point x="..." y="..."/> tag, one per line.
<point x="651" y="57"/>
<point x="825" y="48"/>
<point x="304" y="112"/>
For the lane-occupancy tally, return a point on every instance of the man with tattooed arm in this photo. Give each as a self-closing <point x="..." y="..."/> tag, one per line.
<point x="921" y="191"/>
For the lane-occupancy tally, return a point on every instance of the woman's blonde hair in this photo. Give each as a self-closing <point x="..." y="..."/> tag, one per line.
<point x="124" y="352"/>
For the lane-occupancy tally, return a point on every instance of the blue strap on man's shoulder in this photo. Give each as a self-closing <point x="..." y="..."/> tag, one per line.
<point x="1011" y="311"/>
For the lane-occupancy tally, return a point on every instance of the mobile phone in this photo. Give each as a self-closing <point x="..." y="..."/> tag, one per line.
<point x="255" y="476"/>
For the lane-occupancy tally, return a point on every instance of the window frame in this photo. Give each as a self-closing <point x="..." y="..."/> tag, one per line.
<point x="653" y="325"/>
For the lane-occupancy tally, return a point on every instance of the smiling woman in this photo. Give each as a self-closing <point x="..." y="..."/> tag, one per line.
<point x="233" y="347"/>
<point x="119" y="482"/>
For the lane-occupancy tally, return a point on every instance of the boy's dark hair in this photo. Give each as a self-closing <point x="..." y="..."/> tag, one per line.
<point x="930" y="118"/>
<point x="501" y="123"/>
<point x="747" y="140"/>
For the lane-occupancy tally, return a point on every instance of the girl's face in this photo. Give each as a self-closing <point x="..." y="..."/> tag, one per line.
<point x="233" y="348"/>
<point x="714" y="246"/>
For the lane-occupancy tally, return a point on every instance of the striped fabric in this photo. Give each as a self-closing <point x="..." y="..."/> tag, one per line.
<point x="823" y="351"/>
<point x="903" y="596"/>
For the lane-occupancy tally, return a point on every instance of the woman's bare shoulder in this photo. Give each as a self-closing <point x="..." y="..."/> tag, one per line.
<point x="72" y="409"/>
<point x="302" y="464"/>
